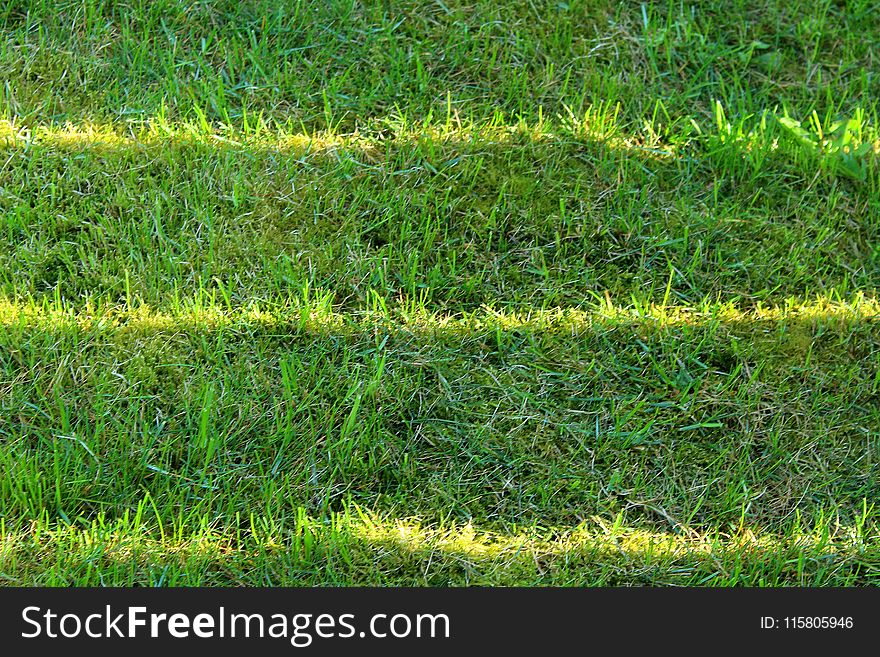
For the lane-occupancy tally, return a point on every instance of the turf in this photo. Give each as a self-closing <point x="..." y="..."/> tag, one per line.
<point x="439" y="293"/>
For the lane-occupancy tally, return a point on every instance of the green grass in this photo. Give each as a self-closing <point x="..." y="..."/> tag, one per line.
<point x="436" y="293"/>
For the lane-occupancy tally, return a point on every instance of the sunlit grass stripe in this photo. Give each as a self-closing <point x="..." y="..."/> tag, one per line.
<point x="372" y="135"/>
<point x="352" y="543"/>
<point x="316" y="313"/>
<point x="157" y="132"/>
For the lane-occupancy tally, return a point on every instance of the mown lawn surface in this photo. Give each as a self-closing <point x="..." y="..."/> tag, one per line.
<point x="439" y="293"/>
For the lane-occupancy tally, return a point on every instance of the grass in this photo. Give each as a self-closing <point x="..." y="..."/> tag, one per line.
<point x="436" y="293"/>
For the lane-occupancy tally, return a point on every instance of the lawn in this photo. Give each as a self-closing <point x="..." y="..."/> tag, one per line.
<point x="440" y="293"/>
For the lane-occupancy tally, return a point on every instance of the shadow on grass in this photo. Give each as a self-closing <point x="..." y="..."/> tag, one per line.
<point x="519" y="213"/>
<point x="566" y="405"/>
